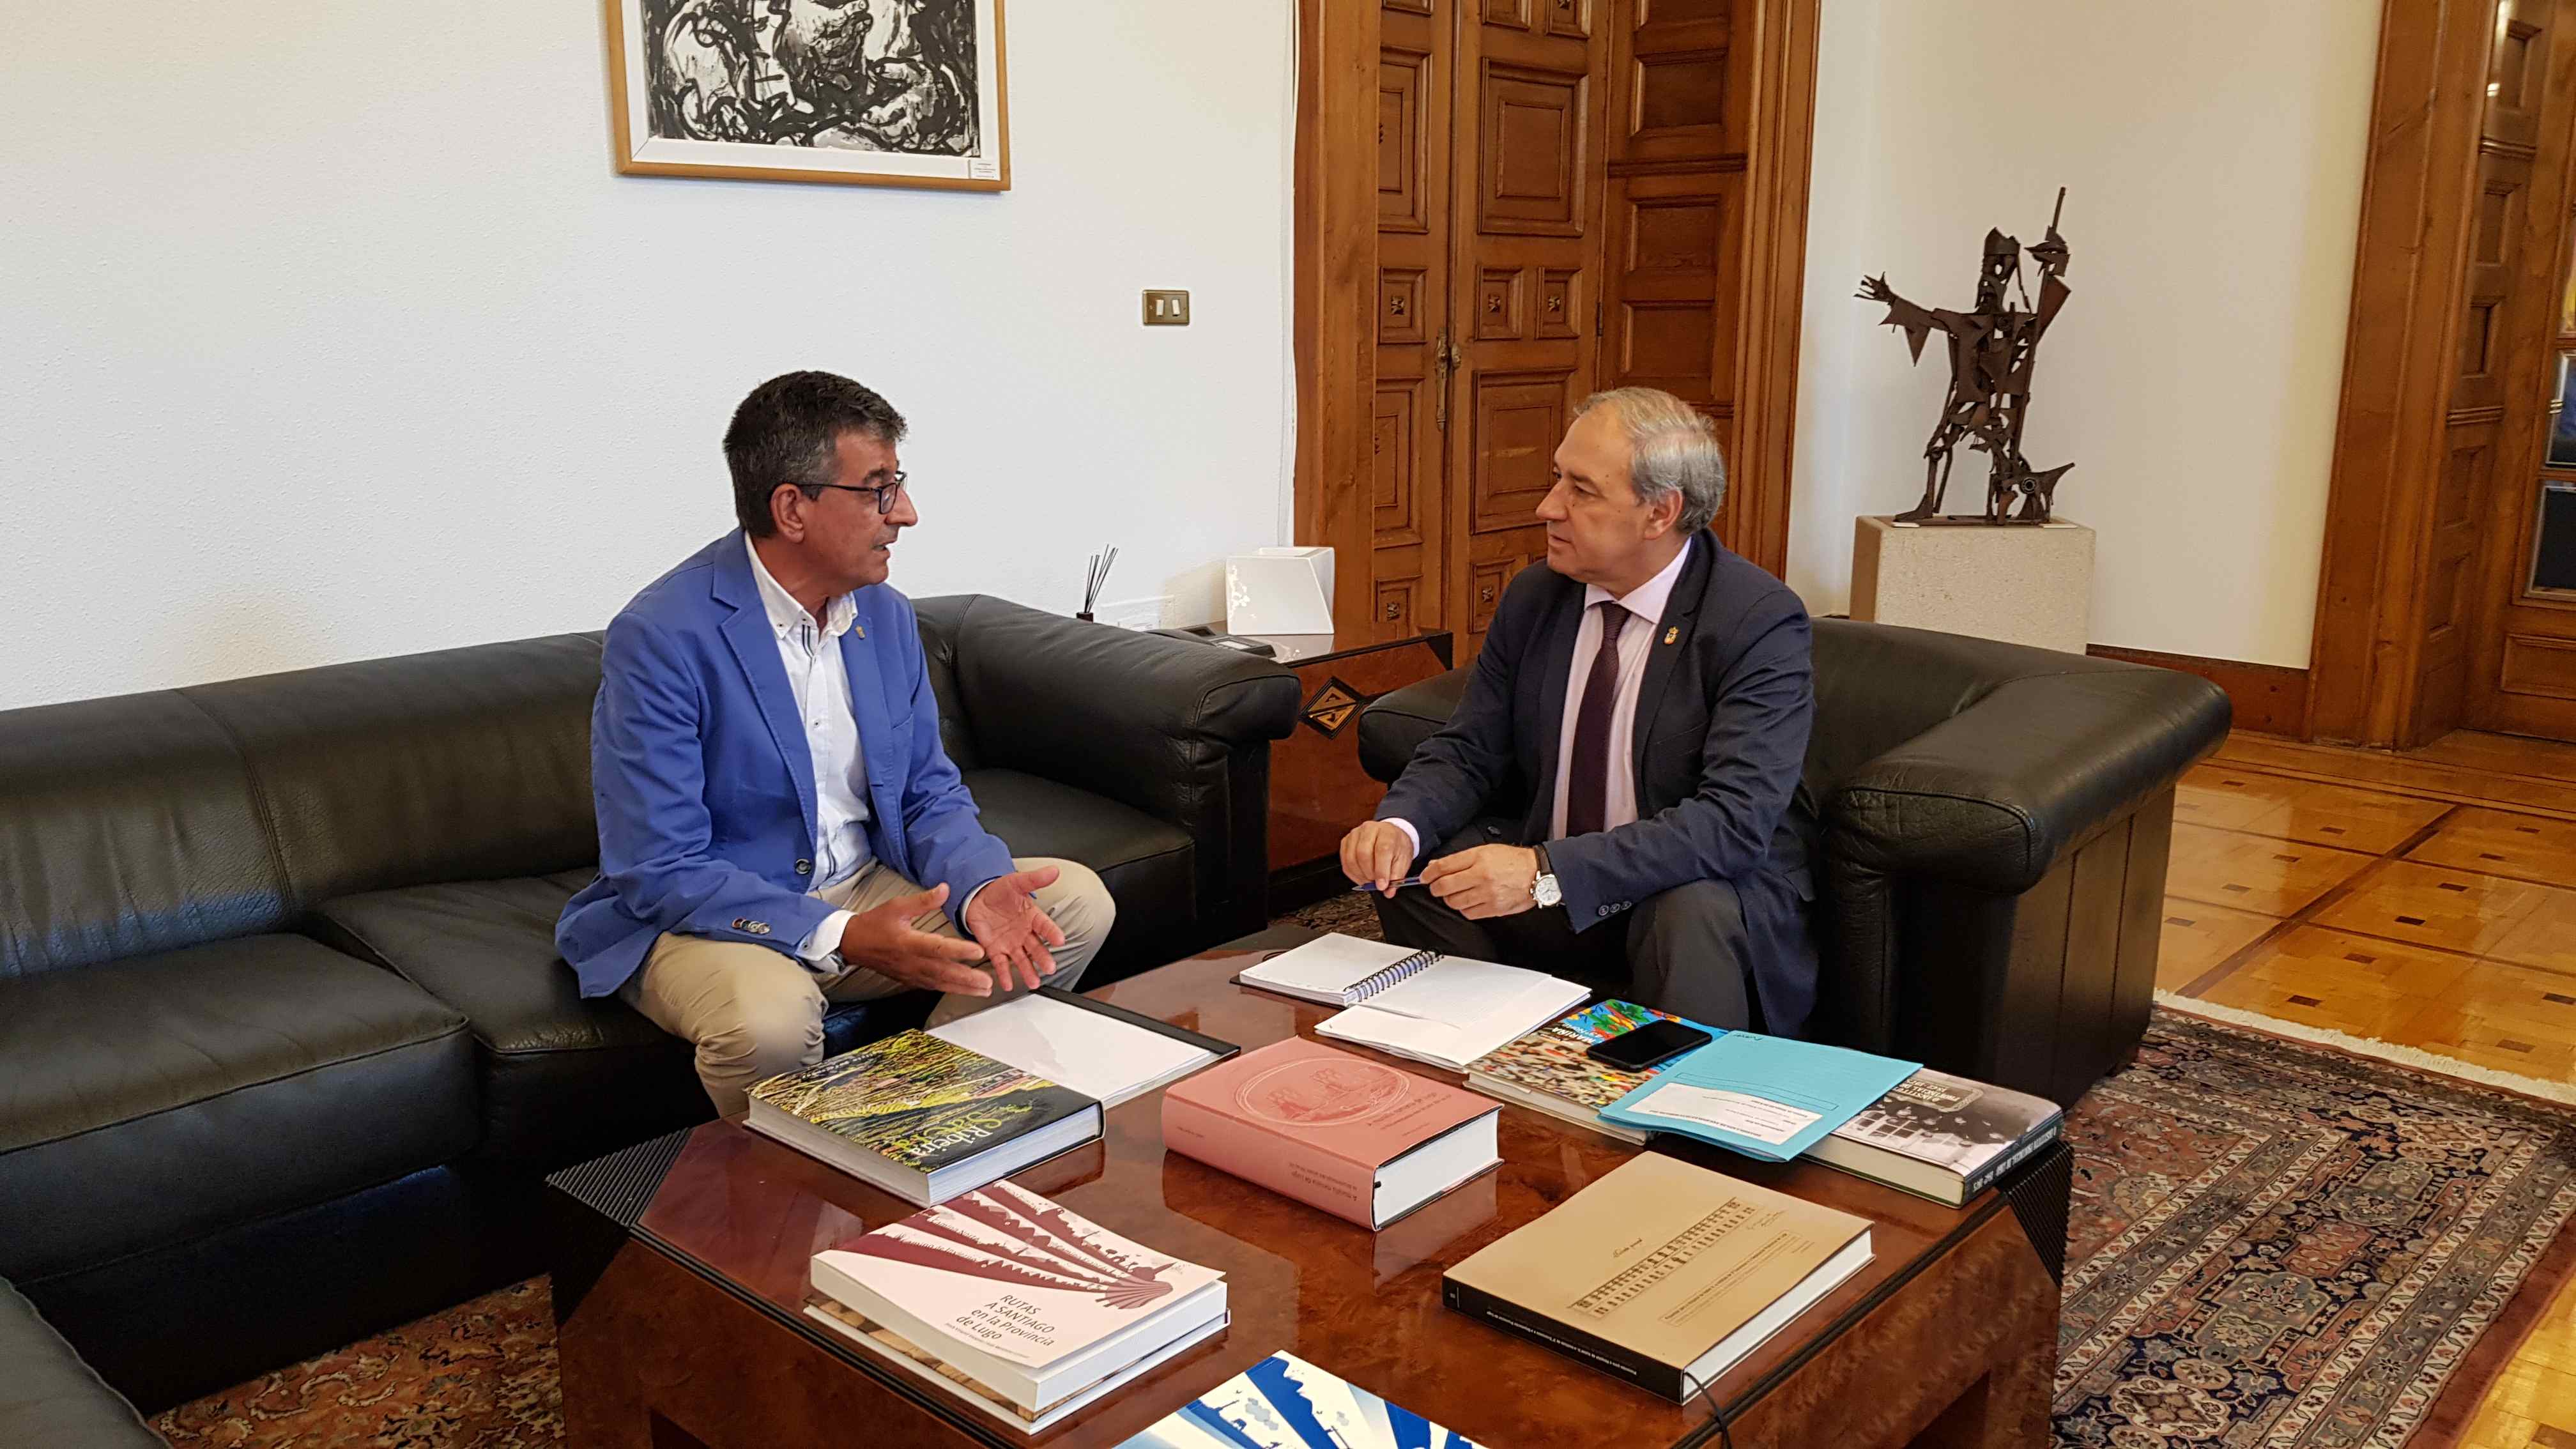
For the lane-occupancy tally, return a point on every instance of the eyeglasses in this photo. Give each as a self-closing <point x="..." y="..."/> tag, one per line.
<point x="886" y="493"/>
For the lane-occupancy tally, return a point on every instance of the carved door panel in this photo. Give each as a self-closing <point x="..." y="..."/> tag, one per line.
<point x="2503" y="551"/>
<point x="1678" y="146"/>
<point x="1528" y="103"/>
<point x="1409" y="417"/>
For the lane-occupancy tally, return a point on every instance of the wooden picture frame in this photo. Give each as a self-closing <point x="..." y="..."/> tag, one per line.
<point x="882" y="93"/>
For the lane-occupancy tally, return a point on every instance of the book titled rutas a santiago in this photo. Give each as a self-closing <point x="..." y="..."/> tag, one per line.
<point x="923" y="1118"/>
<point x="1014" y="1304"/>
<point x="1661" y="1272"/>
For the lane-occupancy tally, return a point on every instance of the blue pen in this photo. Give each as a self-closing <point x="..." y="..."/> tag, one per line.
<point x="1408" y="880"/>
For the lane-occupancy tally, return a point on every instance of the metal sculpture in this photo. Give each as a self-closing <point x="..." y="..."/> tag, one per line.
<point x="1991" y="353"/>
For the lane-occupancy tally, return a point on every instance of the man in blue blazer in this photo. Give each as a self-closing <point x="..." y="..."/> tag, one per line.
<point x="1618" y="794"/>
<point x="778" y="825"/>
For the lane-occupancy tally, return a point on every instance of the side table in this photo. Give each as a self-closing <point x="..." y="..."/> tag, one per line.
<point x="1317" y="789"/>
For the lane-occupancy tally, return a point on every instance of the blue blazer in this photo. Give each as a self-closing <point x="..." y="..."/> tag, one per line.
<point x="705" y="786"/>
<point x="1721" y="739"/>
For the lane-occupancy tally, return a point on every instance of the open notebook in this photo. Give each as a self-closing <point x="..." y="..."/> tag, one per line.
<point x="1445" y="1010"/>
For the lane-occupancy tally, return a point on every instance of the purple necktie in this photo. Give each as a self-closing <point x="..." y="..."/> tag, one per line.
<point x="1587" y="791"/>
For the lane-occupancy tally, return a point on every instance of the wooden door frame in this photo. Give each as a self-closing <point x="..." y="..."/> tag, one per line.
<point x="2368" y="668"/>
<point x="1335" y="284"/>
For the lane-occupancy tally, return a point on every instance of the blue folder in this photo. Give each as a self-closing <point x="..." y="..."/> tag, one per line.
<point x="1783" y="1079"/>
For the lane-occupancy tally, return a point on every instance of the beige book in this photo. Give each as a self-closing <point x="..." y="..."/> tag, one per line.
<point x="1661" y="1273"/>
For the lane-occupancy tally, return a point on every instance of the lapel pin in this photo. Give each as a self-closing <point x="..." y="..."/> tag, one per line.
<point x="1672" y="633"/>
<point x="859" y="629"/>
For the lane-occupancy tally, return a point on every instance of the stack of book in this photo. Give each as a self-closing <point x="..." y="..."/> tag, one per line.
<point x="1932" y="1134"/>
<point x="1767" y="1097"/>
<point x="1013" y="1304"/>
<point x="928" y="1115"/>
<point x="1549" y="1071"/>
<point x="1661" y="1273"/>
<point x="1359" y="1139"/>
<point x="922" y="1118"/>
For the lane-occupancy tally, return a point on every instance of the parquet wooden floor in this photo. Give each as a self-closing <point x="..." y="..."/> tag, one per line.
<point x="2426" y="899"/>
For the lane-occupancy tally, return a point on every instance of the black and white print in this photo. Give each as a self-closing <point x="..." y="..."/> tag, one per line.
<point x="890" y="90"/>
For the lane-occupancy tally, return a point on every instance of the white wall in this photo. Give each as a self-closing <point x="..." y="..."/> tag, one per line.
<point x="2212" y="151"/>
<point x="327" y="332"/>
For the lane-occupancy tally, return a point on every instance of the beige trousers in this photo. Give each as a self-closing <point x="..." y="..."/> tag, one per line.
<point x="753" y="1012"/>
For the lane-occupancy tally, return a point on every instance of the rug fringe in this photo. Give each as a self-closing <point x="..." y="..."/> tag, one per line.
<point x="2371" y="1046"/>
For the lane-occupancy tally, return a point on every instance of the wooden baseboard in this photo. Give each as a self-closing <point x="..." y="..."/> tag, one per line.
<point x="2268" y="697"/>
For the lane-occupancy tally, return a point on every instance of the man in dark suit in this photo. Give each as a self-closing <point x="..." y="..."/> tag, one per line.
<point x="1618" y="793"/>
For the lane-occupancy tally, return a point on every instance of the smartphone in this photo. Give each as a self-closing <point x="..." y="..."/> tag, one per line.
<point x="1656" y="1041"/>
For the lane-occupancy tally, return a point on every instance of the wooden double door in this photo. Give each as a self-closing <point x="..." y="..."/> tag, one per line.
<point x="1555" y="203"/>
<point x="1487" y="326"/>
<point x="2448" y="596"/>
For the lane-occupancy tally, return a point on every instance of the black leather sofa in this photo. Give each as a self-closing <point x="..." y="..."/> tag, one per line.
<point x="288" y="1045"/>
<point x="1996" y="821"/>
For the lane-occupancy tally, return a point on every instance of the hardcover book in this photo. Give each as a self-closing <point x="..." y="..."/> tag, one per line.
<point x="1008" y="1297"/>
<point x="1660" y="1272"/>
<point x="1940" y="1136"/>
<point x="921" y="1117"/>
<point x="1095" y="1048"/>
<point x="1284" y="1402"/>
<point x="1547" y="1070"/>
<point x="1359" y="1139"/>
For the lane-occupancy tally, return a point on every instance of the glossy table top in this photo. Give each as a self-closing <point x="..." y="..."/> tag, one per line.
<point x="1365" y="1306"/>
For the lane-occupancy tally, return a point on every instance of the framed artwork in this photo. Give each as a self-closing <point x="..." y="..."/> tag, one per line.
<point x="868" y="92"/>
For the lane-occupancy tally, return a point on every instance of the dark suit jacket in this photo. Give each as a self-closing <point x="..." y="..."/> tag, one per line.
<point x="1721" y="737"/>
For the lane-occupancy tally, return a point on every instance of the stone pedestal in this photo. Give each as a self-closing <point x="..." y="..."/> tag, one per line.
<point x="2024" y="584"/>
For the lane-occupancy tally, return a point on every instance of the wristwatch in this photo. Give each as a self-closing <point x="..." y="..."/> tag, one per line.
<point x="1544" y="890"/>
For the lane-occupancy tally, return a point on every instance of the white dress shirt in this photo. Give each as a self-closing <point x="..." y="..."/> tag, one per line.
<point x="820" y="680"/>
<point x="1636" y="640"/>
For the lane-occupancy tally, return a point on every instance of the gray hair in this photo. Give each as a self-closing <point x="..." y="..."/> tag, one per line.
<point x="1671" y="449"/>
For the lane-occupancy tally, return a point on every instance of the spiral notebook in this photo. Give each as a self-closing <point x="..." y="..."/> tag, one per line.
<point x="1445" y="1010"/>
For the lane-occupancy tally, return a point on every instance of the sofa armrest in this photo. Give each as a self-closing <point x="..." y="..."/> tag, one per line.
<point x="1993" y="796"/>
<point x="1128" y="715"/>
<point x="1397" y="722"/>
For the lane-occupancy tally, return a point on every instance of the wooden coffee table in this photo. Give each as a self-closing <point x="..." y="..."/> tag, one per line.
<point x="681" y="1271"/>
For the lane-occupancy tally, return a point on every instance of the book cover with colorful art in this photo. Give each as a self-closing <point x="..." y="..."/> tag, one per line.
<point x="1284" y="1402"/>
<point x="1007" y="1272"/>
<point x="1550" y="1061"/>
<point x="918" y="1101"/>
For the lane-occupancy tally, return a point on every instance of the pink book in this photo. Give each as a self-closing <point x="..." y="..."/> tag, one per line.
<point x="1361" y="1140"/>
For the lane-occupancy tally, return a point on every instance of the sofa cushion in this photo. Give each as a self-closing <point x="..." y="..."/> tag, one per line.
<point x="49" y="1397"/>
<point x="162" y="1098"/>
<point x="563" y="1079"/>
<point x="463" y="764"/>
<point x="130" y="827"/>
<point x="1149" y="866"/>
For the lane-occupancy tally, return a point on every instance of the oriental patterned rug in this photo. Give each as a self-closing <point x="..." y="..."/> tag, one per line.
<point x="2272" y="1243"/>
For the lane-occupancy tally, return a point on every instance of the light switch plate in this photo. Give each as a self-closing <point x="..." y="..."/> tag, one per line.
<point x="1166" y="309"/>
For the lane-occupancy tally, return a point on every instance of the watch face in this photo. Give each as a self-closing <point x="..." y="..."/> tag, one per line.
<point x="1544" y="890"/>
